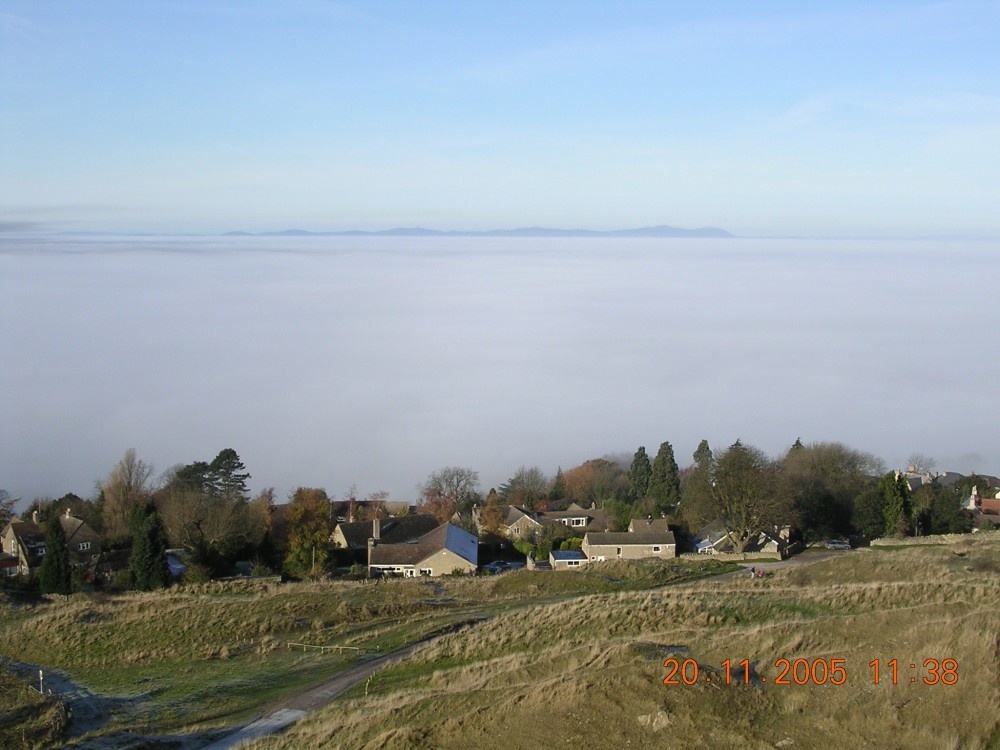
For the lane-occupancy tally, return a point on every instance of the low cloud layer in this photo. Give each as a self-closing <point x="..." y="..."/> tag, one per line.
<point x="372" y="362"/>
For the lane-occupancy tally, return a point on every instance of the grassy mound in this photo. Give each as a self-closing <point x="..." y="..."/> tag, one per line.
<point x="589" y="670"/>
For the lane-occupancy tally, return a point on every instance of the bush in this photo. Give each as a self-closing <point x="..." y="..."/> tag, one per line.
<point x="121" y="581"/>
<point x="197" y="573"/>
<point x="525" y="548"/>
<point x="260" y="570"/>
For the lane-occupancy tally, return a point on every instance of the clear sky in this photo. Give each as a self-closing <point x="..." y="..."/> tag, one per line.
<point x="764" y="118"/>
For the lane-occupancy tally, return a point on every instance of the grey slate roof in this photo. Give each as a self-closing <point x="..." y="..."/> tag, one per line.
<point x="393" y="530"/>
<point x="645" y="524"/>
<point x="622" y="538"/>
<point x="446" y="536"/>
<point x="515" y="513"/>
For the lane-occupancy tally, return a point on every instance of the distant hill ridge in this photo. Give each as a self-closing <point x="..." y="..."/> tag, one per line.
<point x="658" y="231"/>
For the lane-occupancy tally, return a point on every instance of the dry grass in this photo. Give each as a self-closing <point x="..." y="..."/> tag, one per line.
<point x="588" y="671"/>
<point x="206" y="655"/>
<point x="27" y="719"/>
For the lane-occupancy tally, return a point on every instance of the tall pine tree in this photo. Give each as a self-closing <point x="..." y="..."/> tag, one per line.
<point x="557" y="491"/>
<point x="229" y="476"/>
<point x="696" y="492"/>
<point x="665" y="480"/>
<point x="148" y="561"/>
<point x="638" y="475"/>
<point x="898" y="508"/>
<point x="54" y="576"/>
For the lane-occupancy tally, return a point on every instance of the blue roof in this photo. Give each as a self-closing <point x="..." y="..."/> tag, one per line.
<point x="568" y="554"/>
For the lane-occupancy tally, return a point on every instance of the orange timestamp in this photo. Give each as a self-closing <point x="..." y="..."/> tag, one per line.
<point x="811" y="672"/>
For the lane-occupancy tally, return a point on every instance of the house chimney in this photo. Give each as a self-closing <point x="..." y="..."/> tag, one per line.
<point x="376" y="529"/>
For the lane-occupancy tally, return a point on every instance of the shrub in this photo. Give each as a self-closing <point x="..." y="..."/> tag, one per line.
<point x="197" y="573"/>
<point x="121" y="581"/>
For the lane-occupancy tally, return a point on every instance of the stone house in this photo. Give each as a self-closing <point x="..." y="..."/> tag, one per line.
<point x="25" y="542"/>
<point x="444" y="550"/>
<point x="626" y="545"/>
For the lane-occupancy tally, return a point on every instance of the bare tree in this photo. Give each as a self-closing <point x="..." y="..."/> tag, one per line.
<point x="450" y="490"/>
<point x="124" y="487"/>
<point x="526" y="487"/>
<point x="920" y="463"/>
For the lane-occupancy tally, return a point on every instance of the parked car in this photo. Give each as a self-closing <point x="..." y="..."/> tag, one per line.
<point x="496" y="567"/>
<point x="837" y="544"/>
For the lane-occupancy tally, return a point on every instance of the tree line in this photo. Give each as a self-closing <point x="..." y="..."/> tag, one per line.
<point x="817" y="490"/>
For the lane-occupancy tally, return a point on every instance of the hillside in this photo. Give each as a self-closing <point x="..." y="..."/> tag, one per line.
<point x="554" y="659"/>
<point x="590" y="672"/>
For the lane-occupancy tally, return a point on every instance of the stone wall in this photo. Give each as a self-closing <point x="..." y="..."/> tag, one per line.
<point x="933" y="539"/>
<point x="732" y="556"/>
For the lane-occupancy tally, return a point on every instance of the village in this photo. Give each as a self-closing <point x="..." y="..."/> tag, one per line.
<point x="403" y="540"/>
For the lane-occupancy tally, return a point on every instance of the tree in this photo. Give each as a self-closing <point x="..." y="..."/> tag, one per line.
<point x="665" y="481"/>
<point x="898" y="509"/>
<point x="55" y="574"/>
<point x="697" y="506"/>
<point x="309" y="517"/>
<point x="204" y="508"/>
<point x="597" y="480"/>
<point x="228" y="476"/>
<point x="148" y="561"/>
<point x="450" y="490"/>
<point x="921" y="464"/>
<point x="938" y="510"/>
<point x="125" y="486"/>
<point x="491" y="519"/>
<point x="822" y="480"/>
<point x="639" y="473"/>
<point x="868" y="514"/>
<point x="7" y="504"/>
<point x="271" y="549"/>
<point x="527" y="487"/>
<point x="557" y="491"/>
<point x="745" y="494"/>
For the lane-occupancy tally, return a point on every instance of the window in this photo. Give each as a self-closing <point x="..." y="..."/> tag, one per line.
<point x="656" y="549"/>
<point x="426" y="571"/>
<point x="619" y="551"/>
<point x="579" y="522"/>
<point x="84" y="546"/>
<point x="573" y="563"/>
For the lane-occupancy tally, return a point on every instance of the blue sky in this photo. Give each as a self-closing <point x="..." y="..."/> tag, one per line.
<point x="765" y="118"/>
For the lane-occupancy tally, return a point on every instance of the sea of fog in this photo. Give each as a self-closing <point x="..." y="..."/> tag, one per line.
<point x="371" y="362"/>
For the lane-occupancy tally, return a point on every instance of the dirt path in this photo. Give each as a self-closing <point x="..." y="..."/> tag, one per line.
<point x="294" y="708"/>
<point x="770" y="567"/>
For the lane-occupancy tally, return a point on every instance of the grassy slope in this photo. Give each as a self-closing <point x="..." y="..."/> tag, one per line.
<point x="588" y="671"/>
<point x="27" y="719"/>
<point x="206" y="656"/>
